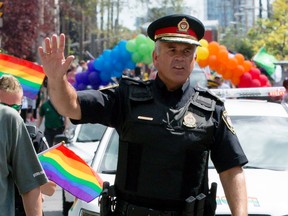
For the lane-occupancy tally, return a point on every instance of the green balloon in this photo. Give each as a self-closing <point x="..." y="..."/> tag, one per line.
<point x="143" y="49"/>
<point x="147" y="59"/>
<point x="136" y="57"/>
<point x="131" y="45"/>
<point x="150" y="43"/>
<point x="140" y="39"/>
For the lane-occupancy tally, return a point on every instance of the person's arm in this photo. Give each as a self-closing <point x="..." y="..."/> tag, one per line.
<point x="32" y="202"/>
<point x="39" y="121"/>
<point x="61" y="92"/>
<point x="48" y="188"/>
<point x="234" y="185"/>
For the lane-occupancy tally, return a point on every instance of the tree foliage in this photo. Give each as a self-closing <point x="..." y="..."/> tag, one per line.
<point x="272" y="33"/>
<point x="23" y="21"/>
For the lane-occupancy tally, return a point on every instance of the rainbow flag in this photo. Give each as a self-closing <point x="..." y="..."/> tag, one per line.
<point x="29" y="74"/>
<point x="70" y="172"/>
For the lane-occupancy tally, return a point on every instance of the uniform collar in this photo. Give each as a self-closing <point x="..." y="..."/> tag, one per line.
<point x="160" y="84"/>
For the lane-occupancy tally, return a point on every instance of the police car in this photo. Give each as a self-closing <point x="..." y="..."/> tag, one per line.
<point x="261" y="127"/>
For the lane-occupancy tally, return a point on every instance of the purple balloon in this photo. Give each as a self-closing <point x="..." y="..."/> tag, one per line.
<point x="94" y="78"/>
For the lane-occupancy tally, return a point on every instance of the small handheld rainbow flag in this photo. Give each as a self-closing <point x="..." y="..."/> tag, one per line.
<point x="29" y="74"/>
<point x="70" y="172"/>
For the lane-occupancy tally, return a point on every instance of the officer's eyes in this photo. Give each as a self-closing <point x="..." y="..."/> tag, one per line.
<point x="185" y="52"/>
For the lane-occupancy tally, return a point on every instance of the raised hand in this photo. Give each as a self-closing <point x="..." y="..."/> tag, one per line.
<point x="53" y="59"/>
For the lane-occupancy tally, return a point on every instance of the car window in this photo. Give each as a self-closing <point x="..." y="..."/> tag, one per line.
<point x="91" y="132"/>
<point x="264" y="140"/>
<point x="198" y="77"/>
<point x="110" y="157"/>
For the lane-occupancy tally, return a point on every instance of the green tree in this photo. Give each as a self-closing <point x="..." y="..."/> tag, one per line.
<point x="272" y="33"/>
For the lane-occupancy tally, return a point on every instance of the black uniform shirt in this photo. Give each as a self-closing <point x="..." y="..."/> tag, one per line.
<point x="107" y="107"/>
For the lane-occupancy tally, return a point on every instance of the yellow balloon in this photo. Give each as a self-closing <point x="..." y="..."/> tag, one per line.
<point x="202" y="53"/>
<point x="204" y="43"/>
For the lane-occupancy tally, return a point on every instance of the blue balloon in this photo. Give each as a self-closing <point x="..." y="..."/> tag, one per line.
<point x="105" y="76"/>
<point x="98" y="64"/>
<point x="122" y="44"/>
<point x="116" y="73"/>
<point x="130" y="65"/>
<point x="107" y="54"/>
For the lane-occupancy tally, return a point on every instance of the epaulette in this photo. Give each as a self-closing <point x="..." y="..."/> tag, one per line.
<point x="131" y="81"/>
<point x="139" y="90"/>
<point x="208" y="92"/>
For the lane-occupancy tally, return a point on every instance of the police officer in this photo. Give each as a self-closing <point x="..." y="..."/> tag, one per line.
<point x="166" y="127"/>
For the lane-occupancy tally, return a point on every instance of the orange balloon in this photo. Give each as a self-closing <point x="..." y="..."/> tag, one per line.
<point x="247" y="65"/>
<point x="232" y="63"/>
<point x="222" y="55"/>
<point x="227" y="75"/>
<point x="221" y="69"/>
<point x="222" y="47"/>
<point x="213" y="48"/>
<point x="240" y="58"/>
<point x="235" y="80"/>
<point x="202" y="62"/>
<point x="238" y="71"/>
<point x="212" y="61"/>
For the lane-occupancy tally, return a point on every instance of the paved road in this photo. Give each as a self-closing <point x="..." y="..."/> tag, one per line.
<point x="52" y="206"/>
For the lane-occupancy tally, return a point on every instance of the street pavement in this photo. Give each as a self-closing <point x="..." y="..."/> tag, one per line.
<point x="52" y="206"/>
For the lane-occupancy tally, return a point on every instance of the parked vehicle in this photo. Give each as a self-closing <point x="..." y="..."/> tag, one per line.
<point x="83" y="139"/>
<point x="262" y="130"/>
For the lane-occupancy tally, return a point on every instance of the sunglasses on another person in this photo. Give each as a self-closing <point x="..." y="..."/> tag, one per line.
<point x="14" y="106"/>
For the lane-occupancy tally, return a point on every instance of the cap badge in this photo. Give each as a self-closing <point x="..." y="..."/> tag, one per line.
<point x="183" y="25"/>
<point x="189" y="120"/>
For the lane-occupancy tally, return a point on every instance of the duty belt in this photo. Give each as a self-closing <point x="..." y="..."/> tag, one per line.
<point x="128" y="209"/>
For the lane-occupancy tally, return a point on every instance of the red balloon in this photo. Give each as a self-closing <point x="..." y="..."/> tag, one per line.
<point x="263" y="79"/>
<point x="255" y="73"/>
<point x="255" y="83"/>
<point x="245" y="80"/>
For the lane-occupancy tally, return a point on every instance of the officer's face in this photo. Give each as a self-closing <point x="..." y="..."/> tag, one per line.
<point x="174" y="62"/>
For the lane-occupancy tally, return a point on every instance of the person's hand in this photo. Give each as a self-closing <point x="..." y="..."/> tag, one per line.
<point x="52" y="57"/>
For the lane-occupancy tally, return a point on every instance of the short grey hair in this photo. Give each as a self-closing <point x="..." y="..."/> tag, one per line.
<point x="9" y="83"/>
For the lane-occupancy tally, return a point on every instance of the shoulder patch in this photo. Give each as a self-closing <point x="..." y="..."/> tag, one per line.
<point x="228" y="121"/>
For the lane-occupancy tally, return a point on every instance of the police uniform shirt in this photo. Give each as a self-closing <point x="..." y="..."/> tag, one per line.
<point x="112" y="107"/>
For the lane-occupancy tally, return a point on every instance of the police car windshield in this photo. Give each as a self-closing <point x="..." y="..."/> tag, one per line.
<point x="264" y="140"/>
<point x="90" y="133"/>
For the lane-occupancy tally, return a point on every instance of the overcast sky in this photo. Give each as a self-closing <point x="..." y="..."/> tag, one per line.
<point x="133" y="9"/>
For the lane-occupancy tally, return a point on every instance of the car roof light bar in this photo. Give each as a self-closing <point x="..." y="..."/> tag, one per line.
<point x="249" y="92"/>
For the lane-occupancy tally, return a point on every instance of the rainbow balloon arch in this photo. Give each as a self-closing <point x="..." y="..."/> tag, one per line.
<point x="127" y="54"/>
